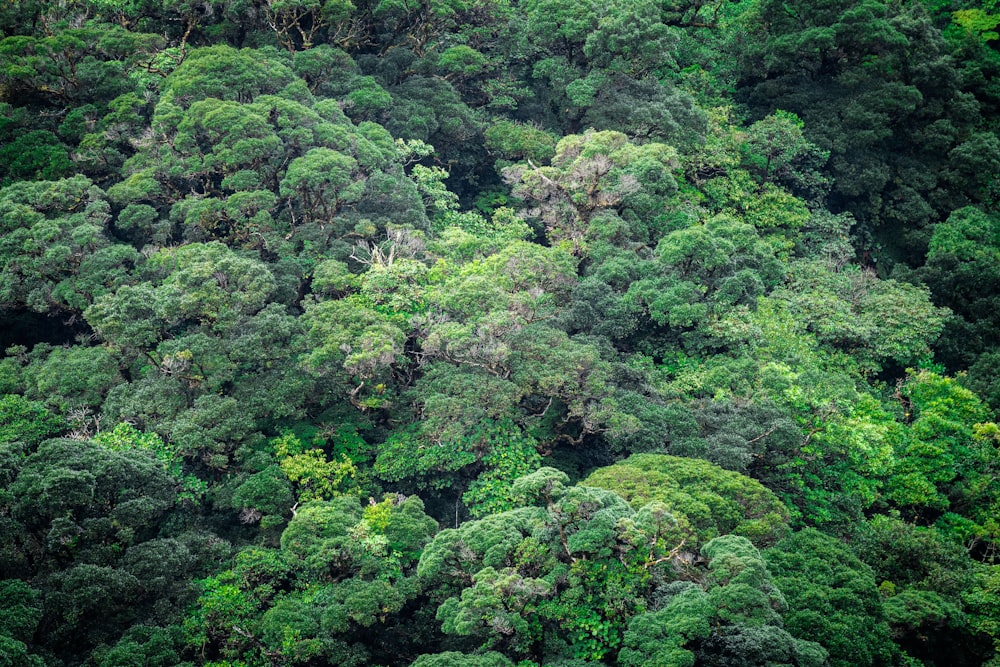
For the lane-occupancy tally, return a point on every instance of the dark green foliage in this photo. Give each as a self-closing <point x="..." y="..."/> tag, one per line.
<point x="961" y="271"/>
<point x="900" y="151"/>
<point x="75" y="484"/>
<point x="22" y="605"/>
<point x="924" y="577"/>
<point x="81" y="522"/>
<point x="832" y="599"/>
<point x="268" y="492"/>
<point x="545" y="579"/>
<point x="660" y="635"/>
<point x="35" y="156"/>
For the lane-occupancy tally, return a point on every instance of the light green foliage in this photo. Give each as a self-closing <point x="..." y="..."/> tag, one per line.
<point x="523" y="279"/>
<point x="979" y="22"/>
<point x="467" y="426"/>
<point x="26" y="422"/>
<point x="507" y="460"/>
<point x="332" y="277"/>
<point x="220" y="605"/>
<point x="72" y="378"/>
<point x="210" y="283"/>
<point x="470" y="235"/>
<point x="869" y="438"/>
<point x="876" y="321"/>
<point x="315" y="476"/>
<point x="706" y="271"/>
<point x="705" y="499"/>
<point x="982" y="603"/>
<point x="942" y="462"/>
<point x="349" y="334"/>
<point x="322" y="179"/>
<point x="503" y="601"/>
<point x="455" y="659"/>
<point x="459" y="61"/>
<point x="486" y="347"/>
<point x="438" y="200"/>
<point x="225" y="73"/>
<point x="206" y="284"/>
<point x="454" y="436"/>
<point x="514" y="141"/>
<point x="319" y="531"/>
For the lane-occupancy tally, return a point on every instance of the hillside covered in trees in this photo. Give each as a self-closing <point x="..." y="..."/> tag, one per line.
<point x="499" y="333"/>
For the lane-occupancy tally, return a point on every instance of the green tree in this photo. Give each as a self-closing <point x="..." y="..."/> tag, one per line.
<point x="57" y="255"/>
<point x="960" y="254"/>
<point x="333" y="591"/>
<point x="776" y="151"/>
<point x="878" y="322"/>
<point x="590" y="173"/>
<point x="832" y="598"/>
<point x="322" y="179"/>
<point x="545" y="581"/>
<point x="710" y="500"/>
<point x="890" y="154"/>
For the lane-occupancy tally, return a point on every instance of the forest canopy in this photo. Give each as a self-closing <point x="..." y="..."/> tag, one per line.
<point x="499" y="333"/>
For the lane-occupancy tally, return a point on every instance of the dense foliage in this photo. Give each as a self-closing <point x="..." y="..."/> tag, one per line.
<point x="499" y="333"/>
